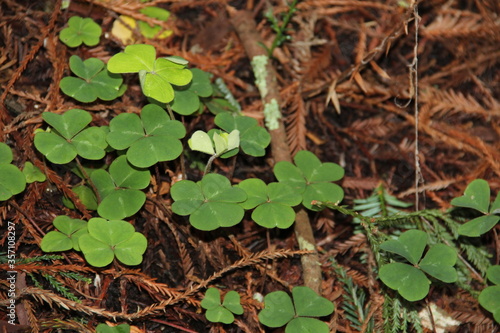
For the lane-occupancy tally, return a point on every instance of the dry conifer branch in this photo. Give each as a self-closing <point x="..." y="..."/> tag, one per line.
<point x="247" y="31"/>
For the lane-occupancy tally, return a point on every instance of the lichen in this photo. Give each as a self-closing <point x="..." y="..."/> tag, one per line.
<point x="259" y="70"/>
<point x="272" y="114"/>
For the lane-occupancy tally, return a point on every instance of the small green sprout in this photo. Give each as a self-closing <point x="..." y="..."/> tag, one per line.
<point x="12" y="180"/>
<point x="299" y="315"/>
<point x="70" y="137"/>
<point x="477" y="197"/>
<point x="81" y="30"/>
<point x="311" y="178"/>
<point x="221" y="313"/>
<point x="409" y="279"/>
<point x="156" y="75"/>
<point x="210" y="203"/>
<point x="93" y="81"/>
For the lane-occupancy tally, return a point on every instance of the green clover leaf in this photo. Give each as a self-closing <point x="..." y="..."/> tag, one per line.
<point x="221" y="141"/>
<point x="221" y="313"/>
<point x="187" y="98"/>
<point x="311" y="178"/>
<point x="279" y="310"/>
<point x="109" y="238"/>
<point x="122" y="328"/>
<point x="67" y="236"/>
<point x="150" y="138"/>
<point x="211" y="202"/>
<point x="253" y="138"/>
<point x="12" y="180"/>
<point x="477" y="196"/>
<point x="273" y="203"/>
<point x="94" y="81"/>
<point x="71" y="137"/>
<point x="156" y="75"/>
<point x="32" y="173"/>
<point x="80" y="30"/>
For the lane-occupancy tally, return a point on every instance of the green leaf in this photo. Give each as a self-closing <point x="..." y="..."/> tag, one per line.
<point x="103" y="182"/>
<point x="126" y="175"/>
<point x="86" y="196"/>
<point x="200" y="141"/>
<point x="211" y="299"/>
<point x="97" y="253"/>
<point x="232" y="302"/>
<point x="68" y="124"/>
<point x="80" y="30"/>
<point x="309" y="304"/>
<point x="85" y="69"/>
<point x="410" y="282"/>
<point x="12" y="181"/>
<point x="271" y="215"/>
<point x="188" y="197"/>
<point x="67" y="236"/>
<point x="219" y="315"/>
<point x="55" y="148"/>
<point x="55" y="241"/>
<point x="476" y="196"/>
<point x="32" y="173"/>
<point x="212" y="215"/>
<point x="410" y="245"/>
<point x="278" y="309"/>
<point x="321" y="192"/>
<point x="493" y="274"/>
<point x="478" y="226"/>
<point x="90" y="143"/>
<point x="122" y="328"/>
<point x="133" y="59"/>
<point x="315" y="171"/>
<point x="306" y="325"/>
<point x="121" y="203"/>
<point x="6" y="156"/>
<point x="490" y="300"/>
<point x="439" y="262"/>
<point x="185" y="102"/>
<point x="154" y="12"/>
<point x="130" y="251"/>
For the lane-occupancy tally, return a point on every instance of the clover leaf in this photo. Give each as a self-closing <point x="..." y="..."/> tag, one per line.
<point x="93" y="81"/>
<point x="221" y="313"/>
<point x="12" y="180"/>
<point x="253" y="138"/>
<point x="187" y="98"/>
<point x="273" y="203"/>
<point x="222" y="142"/>
<point x="122" y="328"/>
<point x="70" y="137"/>
<point x="477" y="197"/>
<point x="80" y="30"/>
<point x="32" y="173"/>
<point x="86" y="196"/>
<point x="279" y="310"/>
<point x="410" y="280"/>
<point x="66" y="238"/>
<point x="107" y="239"/>
<point x="490" y="296"/>
<point x="154" y="31"/>
<point x="311" y="178"/>
<point x="119" y="189"/>
<point x="210" y="203"/>
<point x="150" y="138"/>
<point x="156" y="75"/>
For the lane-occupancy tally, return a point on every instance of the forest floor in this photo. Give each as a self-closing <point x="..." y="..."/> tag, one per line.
<point x="347" y="76"/>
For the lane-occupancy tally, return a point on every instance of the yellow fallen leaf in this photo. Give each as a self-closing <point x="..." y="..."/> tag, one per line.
<point x="122" y="32"/>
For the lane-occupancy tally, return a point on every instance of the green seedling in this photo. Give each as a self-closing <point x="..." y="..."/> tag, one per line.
<point x="156" y="75"/>
<point x="155" y="30"/>
<point x="67" y="235"/>
<point x="221" y="313"/>
<point x="106" y="240"/>
<point x="210" y="203"/>
<point x="273" y="203"/>
<point x="299" y="315"/>
<point x="12" y="180"/>
<point x="81" y="30"/>
<point x="253" y="138"/>
<point x="32" y="173"/>
<point x="187" y="98"/>
<point x="119" y="189"/>
<point x="410" y="280"/>
<point x="380" y="203"/>
<point x="122" y="328"/>
<point x="150" y="138"/>
<point x="70" y="137"/>
<point x="216" y="144"/>
<point x="94" y="81"/>
<point x="490" y="296"/>
<point x="311" y="178"/>
<point x="477" y="197"/>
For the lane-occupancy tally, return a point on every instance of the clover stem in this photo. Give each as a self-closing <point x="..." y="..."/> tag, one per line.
<point x="87" y="179"/>
<point x="209" y="163"/>
<point x="170" y="112"/>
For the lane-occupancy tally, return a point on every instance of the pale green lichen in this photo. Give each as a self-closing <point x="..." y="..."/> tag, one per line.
<point x="305" y="245"/>
<point x="271" y="114"/>
<point x="259" y="70"/>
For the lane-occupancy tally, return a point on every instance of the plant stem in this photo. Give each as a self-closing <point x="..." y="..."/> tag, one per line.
<point x="247" y="30"/>
<point x="280" y="33"/>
